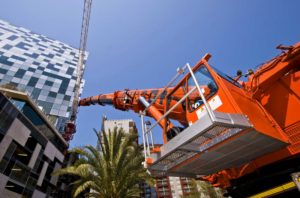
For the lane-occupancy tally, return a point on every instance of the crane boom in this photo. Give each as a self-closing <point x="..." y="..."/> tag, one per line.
<point x="70" y="127"/>
<point x="82" y="48"/>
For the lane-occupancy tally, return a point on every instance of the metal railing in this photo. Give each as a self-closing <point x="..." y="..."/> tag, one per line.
<point x="147" y="130"/>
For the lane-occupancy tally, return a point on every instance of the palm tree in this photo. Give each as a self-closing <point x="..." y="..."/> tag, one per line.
<point x="114" y="170"/>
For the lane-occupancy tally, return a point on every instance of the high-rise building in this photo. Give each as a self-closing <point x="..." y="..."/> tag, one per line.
<point x="31" y="149"/>
<point x="45" y="68"/>
<point x="127" y="125"/>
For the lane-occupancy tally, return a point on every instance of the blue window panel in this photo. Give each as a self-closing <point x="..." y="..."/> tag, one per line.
<point x="68" y="62"/>
<point x="18" y="58"/>
<point x="23" y="45"/>
<point x="32" y="82"/>
<point x="35" y="40"/>
<point x="53" y="75"/>
<point x="3" y="60"/>
<point x="36" y="63"/>
<point x="67" y="98"/>
<point x="70" y="71"/>
<point x="7" y="47"/>
<point x="48" y="83"/>
<point x="33" y="55"/>
<point x="52" y="94"/>
<point x="42" y="38"/>
<point x="41" y="68"/>
<point x="63" y="86"/>
<point x="59" y="51"/>
<point x="48" y="55"/>
<point x="43" y="45"/>
<point x="35" y="93"/>
<point x="12" y="37"/>
<point x="51" y="66"/>
<point x="3" y="71"/>
<point x="20" y="73"/>
<point x="18" y="103"/>
<point x="31" y="69"/>
<point x="54" y="46"/>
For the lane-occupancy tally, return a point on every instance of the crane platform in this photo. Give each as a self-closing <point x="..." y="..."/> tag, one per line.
<point x="209" y="146"/>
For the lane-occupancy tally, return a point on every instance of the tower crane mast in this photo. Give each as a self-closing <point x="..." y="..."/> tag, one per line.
<point x="70" y="127"/>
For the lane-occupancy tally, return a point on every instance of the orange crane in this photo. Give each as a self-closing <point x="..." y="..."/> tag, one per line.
<point x="243" y="136"/>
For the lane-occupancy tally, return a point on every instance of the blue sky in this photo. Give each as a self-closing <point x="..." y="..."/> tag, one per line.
<point x="140" y="43"/>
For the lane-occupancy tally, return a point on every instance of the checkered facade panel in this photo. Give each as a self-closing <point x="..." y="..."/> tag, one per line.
<point x="45" y="68"/>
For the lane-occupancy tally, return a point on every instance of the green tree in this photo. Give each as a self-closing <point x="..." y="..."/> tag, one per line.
<point x="113" y="170"/>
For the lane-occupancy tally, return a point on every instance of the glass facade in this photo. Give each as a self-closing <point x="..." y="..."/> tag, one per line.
<point x="45" y="68"/>
<point x="31" y="151"/>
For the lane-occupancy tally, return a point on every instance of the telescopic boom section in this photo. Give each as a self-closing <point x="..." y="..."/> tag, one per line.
<point x="130" y="100"/>
<point x="101" y="99"/>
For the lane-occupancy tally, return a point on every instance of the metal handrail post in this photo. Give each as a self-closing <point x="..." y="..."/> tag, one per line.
<point x="179" y="72"/>
<point x="143" y="130"/>
<point x="147" y="142"/>
<point x="151" y="139"/>
<point x="207" y="107"/>
<point x="171" y="109"/>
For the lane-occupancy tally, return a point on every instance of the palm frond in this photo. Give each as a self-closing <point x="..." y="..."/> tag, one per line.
<point x="113" y="170"/>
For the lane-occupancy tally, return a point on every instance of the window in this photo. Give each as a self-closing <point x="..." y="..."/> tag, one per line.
<point x="32" y="82"/>
<point x="42" y="126"/>
<point x="36" y="63"/>
<point x="52" y="94"/>
<point x="7" y="47"/>
<point x="7" y="157"/>
<point x="48" y="83"/>
<point x="67" y="98"/>
<point x="20" y="73"/>
<point x="14" y="187"/>
<point x="35" y="93"/>
<point x="18" y="103"/>
<point x="228" y="78"/>
<point x="33" y="55"/>
<point x="70" y="71"/>
<point x="31" y="69"/>
<point x="12" y="37"/>
<point x="23" y="45"/>
<point x="4" y="60"/>
<point x="206" y="84"/>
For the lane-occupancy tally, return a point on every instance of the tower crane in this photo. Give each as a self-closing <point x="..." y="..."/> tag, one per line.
<point x="70" y="127"/>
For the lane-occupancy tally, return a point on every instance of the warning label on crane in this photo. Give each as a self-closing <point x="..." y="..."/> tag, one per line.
<point x="214" y="103"/>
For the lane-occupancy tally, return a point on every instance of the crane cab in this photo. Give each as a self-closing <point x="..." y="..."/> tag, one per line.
<point x="225" y="127"/>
